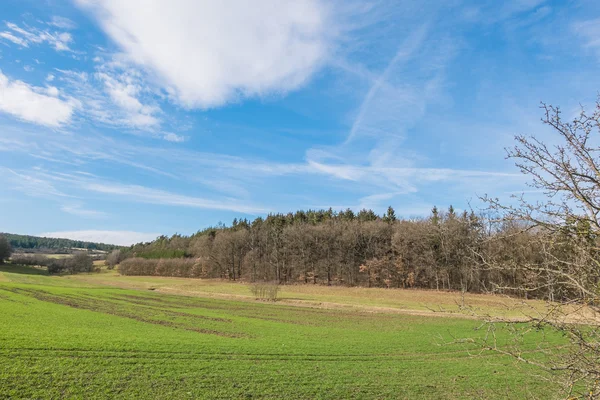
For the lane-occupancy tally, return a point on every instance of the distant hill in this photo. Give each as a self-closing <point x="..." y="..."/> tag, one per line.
<point x="27" y="242"/>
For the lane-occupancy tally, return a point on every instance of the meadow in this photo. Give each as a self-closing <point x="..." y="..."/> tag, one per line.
<point x="106" y="336"/>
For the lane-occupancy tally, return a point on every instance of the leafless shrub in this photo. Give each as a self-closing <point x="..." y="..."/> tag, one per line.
<point x="265" y="290"/>
<point x="113" y="259"/>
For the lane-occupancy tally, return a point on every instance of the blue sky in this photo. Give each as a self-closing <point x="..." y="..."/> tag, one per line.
<point x="121" y="120"/>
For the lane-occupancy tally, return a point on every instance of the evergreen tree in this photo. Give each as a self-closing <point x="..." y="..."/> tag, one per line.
<point x="451" y="212"/>
<point x="390" y="215"/>
<point x="5" y="249"/>
<point x="435" y="215"/>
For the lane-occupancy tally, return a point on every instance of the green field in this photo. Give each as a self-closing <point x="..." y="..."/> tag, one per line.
<point x="82" y="337"/>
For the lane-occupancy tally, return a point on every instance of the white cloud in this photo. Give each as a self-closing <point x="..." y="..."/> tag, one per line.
<point x="172" y="137"/>
<point x="207" y="53"/>
<point x="34" y="104"/>
<point x="122" y="238"/>
<point x="52" y="91"/>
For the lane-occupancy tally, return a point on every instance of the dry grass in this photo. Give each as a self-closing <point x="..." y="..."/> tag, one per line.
<point x="410" y="301"/>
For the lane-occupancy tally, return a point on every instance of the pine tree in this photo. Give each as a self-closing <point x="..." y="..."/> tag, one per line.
<point x="435" y="215"/>
<point x="390" y="215"/>
<point x="5" y="249"/>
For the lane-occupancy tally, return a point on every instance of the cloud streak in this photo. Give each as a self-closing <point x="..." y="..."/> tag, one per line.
<point x="143" y="194"/>
<point x="79" y="211"/>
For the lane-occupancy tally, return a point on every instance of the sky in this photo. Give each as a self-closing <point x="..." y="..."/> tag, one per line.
<point x="124" y="120"/>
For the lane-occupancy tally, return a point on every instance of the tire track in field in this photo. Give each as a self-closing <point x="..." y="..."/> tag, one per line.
<point x="106" y="307"/>
<point x="175" y="355"/>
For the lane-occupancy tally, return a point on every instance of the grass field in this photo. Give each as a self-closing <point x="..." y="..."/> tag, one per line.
<point x="106" y="336"/>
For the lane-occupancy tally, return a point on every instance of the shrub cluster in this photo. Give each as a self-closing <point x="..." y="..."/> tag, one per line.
<point x="79" y="262"/>
<point x="30" y="259"/>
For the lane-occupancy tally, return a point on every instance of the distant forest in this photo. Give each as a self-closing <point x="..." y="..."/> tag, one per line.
<point x="26" y="242"/>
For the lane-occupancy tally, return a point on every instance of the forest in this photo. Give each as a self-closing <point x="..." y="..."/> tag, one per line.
<point x="447" y="250"/>
<point x="28" y="242"/>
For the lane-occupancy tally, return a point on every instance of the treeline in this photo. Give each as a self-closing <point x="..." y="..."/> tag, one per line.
<point x="443" y="251"/>
<point x="28" y="242"/>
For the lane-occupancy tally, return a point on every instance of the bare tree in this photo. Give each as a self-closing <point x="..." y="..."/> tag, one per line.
<point x="564" y="233"/>
<point x="113" y="259"/>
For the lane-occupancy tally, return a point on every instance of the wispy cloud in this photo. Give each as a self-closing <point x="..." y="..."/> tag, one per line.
<point x="12" y="38"/>
<point x="125" y="89"/>
<point x="397" y="98"/>
<point x="235" y="176"/>
<point x="79" y="211"/>
<point x="30" y="184"/>
<point x="589" y="32"/>
<point x="25" y="36"/>
<point x="59" y="185"/>
<point x="62" y="23"/>
<point x="143" y="194"/>
<point x="117" y="96"/>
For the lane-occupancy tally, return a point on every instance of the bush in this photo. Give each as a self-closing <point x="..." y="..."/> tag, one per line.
<point x="80" y="262"/>
<point x="114" y="258"/>
<point x="56" y="266"/>
<point x="265" y="290"/>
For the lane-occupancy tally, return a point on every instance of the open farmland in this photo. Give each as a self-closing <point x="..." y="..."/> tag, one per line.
<point x="83" y="337"/>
